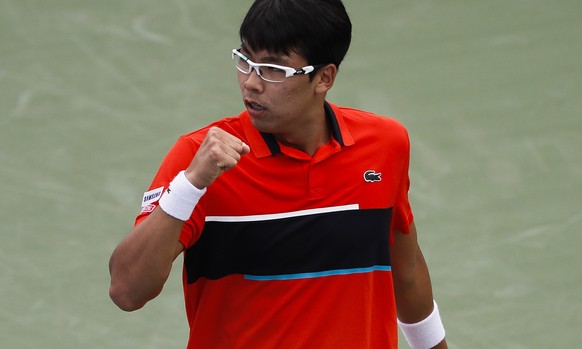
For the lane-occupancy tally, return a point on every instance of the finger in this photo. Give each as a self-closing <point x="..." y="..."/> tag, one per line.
<point x="228" y="158"/>
<point x="245" y="149"/>
<point x="219" y="152"/>
<point x="237" y="145"/>
<point x="230" y="140"/>
<point x="221" y="165"/>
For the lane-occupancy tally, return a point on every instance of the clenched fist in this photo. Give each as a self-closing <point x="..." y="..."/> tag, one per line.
<point x="220" y="151"/>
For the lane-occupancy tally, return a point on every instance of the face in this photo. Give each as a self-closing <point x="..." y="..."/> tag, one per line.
<point x="279" y="108"/>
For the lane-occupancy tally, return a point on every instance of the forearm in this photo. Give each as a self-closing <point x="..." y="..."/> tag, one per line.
<point x="142" y="262"/>
<point x="418" y="315"/>
<point x="414" y="299"/>
<point x="413" y="289"/>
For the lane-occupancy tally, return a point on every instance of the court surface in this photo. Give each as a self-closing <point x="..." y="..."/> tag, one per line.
<point x="93" y="93"/>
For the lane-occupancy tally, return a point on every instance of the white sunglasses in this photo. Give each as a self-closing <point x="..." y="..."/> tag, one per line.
<point x="268" y="72"/>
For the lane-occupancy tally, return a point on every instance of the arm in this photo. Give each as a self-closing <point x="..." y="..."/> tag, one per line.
<point x="141" y="263"/>
<point x="412" y="286"/>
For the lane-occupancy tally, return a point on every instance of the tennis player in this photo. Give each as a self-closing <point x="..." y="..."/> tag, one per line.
<point x="292" y="217"/>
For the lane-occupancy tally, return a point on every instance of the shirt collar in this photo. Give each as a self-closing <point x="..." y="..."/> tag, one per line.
<point x="264" y="144"/>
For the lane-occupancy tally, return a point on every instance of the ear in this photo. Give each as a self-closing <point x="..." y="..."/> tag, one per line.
<point x="325" y="78"/>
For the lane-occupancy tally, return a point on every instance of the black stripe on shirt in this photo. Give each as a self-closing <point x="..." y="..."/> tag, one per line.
<point x="313" y="243"/>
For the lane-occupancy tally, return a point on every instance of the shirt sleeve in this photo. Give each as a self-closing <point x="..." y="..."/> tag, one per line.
<point x="177" y="159"/>
<point x="402" y="213"/>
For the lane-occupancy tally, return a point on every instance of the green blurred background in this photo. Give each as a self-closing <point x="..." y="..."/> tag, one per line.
<point x="93" y="93"/>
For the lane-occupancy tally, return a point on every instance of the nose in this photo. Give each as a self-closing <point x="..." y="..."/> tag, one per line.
<point x="254" y="82"/>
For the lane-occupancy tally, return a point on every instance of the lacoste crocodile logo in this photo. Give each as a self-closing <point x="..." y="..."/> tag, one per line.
<point x="372" y="176"/>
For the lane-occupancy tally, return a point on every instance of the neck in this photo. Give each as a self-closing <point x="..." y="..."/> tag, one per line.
<point x="308" y="146"/>
<point x="308" y="137"/>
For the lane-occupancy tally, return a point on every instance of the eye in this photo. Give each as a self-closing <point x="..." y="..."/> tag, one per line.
<point x="274" y="70"/>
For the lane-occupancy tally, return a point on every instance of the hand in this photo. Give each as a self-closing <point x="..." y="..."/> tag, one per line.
<point x="220" y="151"/>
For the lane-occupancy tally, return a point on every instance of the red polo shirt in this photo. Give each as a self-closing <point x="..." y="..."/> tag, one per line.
<point x="290" y="250"/>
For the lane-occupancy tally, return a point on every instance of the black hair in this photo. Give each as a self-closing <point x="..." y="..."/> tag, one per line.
<point x="318" y="30"/>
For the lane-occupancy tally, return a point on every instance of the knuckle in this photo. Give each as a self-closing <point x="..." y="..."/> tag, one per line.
<point x="215" y="152"/>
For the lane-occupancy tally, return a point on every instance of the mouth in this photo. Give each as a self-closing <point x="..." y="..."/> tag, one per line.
<point x="251" y="105"/>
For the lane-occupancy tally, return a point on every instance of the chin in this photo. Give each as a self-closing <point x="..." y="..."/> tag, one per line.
<point x="263" y="125"/>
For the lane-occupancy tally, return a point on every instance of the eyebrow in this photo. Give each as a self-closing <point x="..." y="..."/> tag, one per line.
<point x="267" y="59"/>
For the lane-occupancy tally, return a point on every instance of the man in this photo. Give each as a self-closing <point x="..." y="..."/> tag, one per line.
<point x="293" y="216"/>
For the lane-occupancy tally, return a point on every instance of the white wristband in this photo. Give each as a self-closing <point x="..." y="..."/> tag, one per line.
<point x="426" y="333"/>
<point x="181" y="197"/>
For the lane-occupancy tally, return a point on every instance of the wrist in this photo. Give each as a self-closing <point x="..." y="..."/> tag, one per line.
<point x="426" y="333"/>
<point x="181" y="197"/>
<point x="194" y="179"/>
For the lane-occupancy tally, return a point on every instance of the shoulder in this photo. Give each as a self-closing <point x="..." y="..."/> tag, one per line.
<point x="365" y="124"/>
<point x="181" y="153"/>
<point x="367" y="118"/>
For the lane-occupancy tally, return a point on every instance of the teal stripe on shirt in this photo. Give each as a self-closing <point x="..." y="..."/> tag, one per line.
<point x="318" y="274"/>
